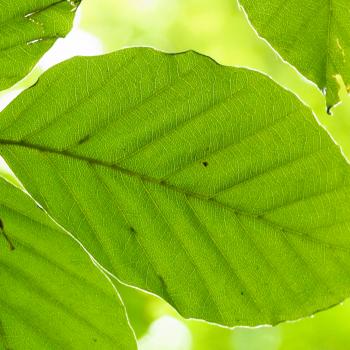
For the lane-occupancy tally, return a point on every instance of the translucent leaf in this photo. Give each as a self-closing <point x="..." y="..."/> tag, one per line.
<point x="210" y="186"/>
<point x="313" y="36"/>
<point x="51" y="294"/>
<point x="28" y="28"/>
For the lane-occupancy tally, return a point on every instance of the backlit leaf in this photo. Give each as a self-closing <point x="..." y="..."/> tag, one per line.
<point x="312" y="35"/>
<point x="51" y="294"/>
<point x="28" y="28"/>
<point x="210" y="186"/>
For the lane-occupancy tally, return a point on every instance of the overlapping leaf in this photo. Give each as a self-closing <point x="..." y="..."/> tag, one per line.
<point x="28" y="28"/>
<point x="211" y="186"/>
<point x="51" y="295"/>
<point x="312" y="35"/>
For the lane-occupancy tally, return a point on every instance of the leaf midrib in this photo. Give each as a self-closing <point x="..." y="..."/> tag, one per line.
<point x="149" y="179"/>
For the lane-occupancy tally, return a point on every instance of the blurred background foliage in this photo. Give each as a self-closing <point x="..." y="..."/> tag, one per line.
<point x="220" y="30"/>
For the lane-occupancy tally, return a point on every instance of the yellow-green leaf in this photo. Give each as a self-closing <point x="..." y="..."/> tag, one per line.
<point x="312" y="35"/>
<point x="51" y="294"/>
<point x="28" y="28"/>
<point x="210" y="186"/>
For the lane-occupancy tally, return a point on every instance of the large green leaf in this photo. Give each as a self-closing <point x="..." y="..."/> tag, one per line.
<point x="312" y="35"/>
<point x="28" y="28"/>
<point x="51" y="294"/>
<point x="210" y="186"/>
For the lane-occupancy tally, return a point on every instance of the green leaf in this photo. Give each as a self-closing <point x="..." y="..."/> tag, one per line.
<point x="313" y="36"/>
<point x="210" y="186"/>
<point x="28" y="28"/>
<point x="51" y="294"/>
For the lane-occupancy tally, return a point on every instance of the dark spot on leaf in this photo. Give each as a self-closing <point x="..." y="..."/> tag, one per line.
<point x="132" y="230"/>
<point x="161" y="280"/>
<point x="2" y="231"/>
<point x="84" y="139"/>
<point x="95" y="340"/>
<point x="162" y="182"/>
<point x="242" y="293"/>
<point x="205" y="163"/>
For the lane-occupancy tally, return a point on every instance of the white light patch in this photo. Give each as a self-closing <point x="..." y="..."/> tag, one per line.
<point x="7" y="174"/>
<point x="7" y="98"/>
<point x="166" y="333"/>
<point x="4" y="167"/>
<point x="76" y="43"/>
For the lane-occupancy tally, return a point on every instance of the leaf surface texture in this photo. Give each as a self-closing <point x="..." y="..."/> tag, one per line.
<point x="51" y="294"/>
<point x="312" y="35"/>
<point x="210" y="186"/>
<point x="28" y="28"/>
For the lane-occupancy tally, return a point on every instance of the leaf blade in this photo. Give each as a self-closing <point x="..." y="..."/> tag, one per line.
<point x="182" y="177"/>
<point x="27" y="31"/>
<point x="52" y="296"/>
<point x="312" y="36"/>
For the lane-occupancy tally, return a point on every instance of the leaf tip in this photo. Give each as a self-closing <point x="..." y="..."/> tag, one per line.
<point x="329" y="110"/>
